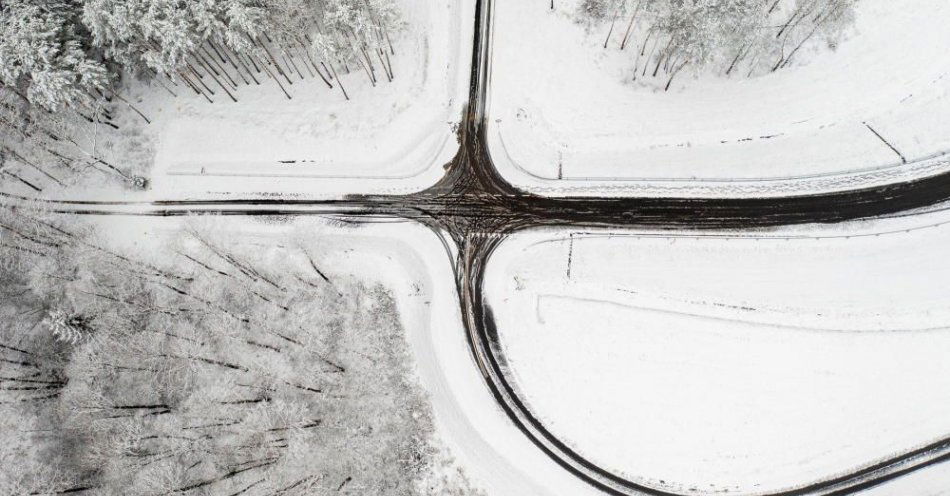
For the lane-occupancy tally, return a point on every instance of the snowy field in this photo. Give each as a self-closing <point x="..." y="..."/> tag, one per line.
<point x="887" y="402"/>
<point x="748" y="364"/>
<point x="566" y="119"/>
<point x="391" y="138"/>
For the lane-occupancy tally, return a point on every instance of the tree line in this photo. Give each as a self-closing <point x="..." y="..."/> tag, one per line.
<point x="729" y="37"/>
<point x="67" y="53"/>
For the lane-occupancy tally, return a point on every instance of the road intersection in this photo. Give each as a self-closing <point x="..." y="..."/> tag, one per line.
<point x="473" y="209"/>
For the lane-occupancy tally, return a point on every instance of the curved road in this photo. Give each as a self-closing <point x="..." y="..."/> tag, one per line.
<point x="474" y="208"/>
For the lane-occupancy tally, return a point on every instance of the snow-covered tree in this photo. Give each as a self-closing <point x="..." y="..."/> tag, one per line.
<point x="209" y="367"/>
<point x="701" y="32"/>
<point x="58" y="53"/>
<point x="66" y="327"/>
<point x="44" y="53"/>
<point x="760" y="35"/>
<point x="63" y="64"/>
<point x="357" y="32"/>
<point x="161" y="34"/>
<point x="601" y="10"/>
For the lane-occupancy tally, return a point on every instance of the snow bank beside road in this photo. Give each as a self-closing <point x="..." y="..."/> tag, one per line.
<point x="563" y="121"/>
<point x="750" y="364"/>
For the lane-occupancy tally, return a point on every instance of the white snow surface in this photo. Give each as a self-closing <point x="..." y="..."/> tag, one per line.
<point x="742" y="362"/>
<point x="564" y="119"/>
<point x="391" y="138"/>
<point x="412" y="263"/>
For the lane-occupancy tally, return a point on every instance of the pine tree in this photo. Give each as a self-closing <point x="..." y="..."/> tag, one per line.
<point x="162" y="34"/>
<point x="44" y="54"/>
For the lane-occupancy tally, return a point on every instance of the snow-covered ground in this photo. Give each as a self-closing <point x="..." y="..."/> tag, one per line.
<point x="391" y="138"/>
<point x="752" y="363"/>
<point x="410" y="261"/>
<point x="563" y="119"/>
<point x="691" y="386"/>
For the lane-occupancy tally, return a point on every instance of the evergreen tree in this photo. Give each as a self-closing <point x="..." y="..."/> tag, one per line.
<point x="63" y="53"/>
<point x="161" y="34"/>
<point x="44" y="53"/>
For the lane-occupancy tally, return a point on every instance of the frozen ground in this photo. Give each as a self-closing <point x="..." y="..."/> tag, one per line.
<point x="749" y="364"/>
<point x="391" y="138"/>
<point x="563" y="119"/>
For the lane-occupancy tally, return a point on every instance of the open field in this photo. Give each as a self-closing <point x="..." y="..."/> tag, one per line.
<point x="567" y="120"/>
<point x="747" y="362"/>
